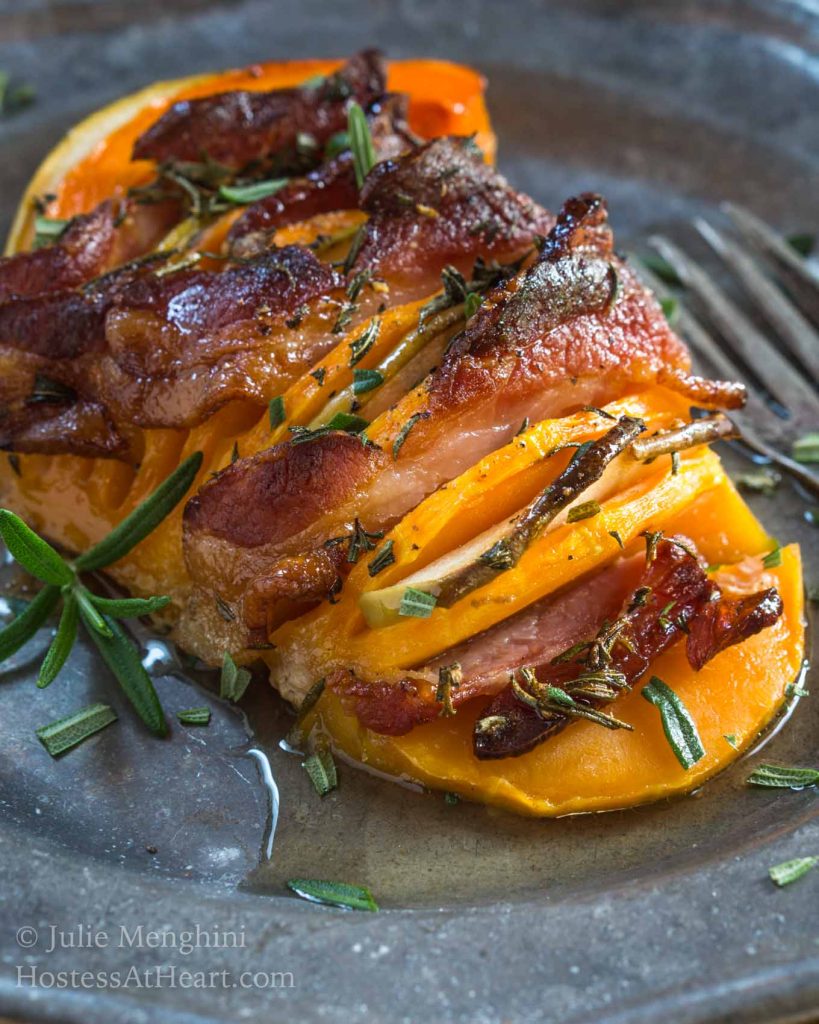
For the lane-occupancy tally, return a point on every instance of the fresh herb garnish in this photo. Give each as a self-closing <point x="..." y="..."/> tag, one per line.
<point x="472" y="303"/>
<point x="661" y="268"/>
<point x="794" y="690"/>
<point x="384" y="558"/>
<point x="275" y="412"/>
<point x="449" y="679"/>
<point x="67" y="732"/>
<point x="759" y="481"/>
<point x="321" y="769"/>
<point x="417" y="603"/>
<point x="361" y="345"/>
<point x="615" y="534"/>
<point x="14" y="98"/>
<point x="347" y="422"/>
<point x="403" y="433"/>
<point x="669" y="307"/>
<point x="773" y="558"/>
<point x="791" y="870"/>
<point x="234" y="680"/>
<point x="48" y="230"/>
<point x="319" y="375"/>
<point x="335" y="894"/>
<point x="194" y="716"/>
<point x="243" y="195"/>
<point x="806" y="449"/>
<point x="731" y="740"/>
<point x="97" y="614"/>
<point x="366" y="380"/>
<point x="336" y="145"/>
<point x="678" y="725"/>
<point x="585" y="510"/>
<point x="782" y="777"/>
<point x="802" y="243"/>
<point x="361" y="143"/>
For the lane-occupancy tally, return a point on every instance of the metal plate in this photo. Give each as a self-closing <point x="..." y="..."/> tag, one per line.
<point x="663" y="912"/>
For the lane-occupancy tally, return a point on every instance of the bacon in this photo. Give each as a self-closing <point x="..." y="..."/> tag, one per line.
<point x="82" y="252"/>
<point x="240" y="127"/>
<point x="675" y="599"/>
<point x="439" y="204"/>
<point x="332" y="186"/>
<point x="575" y="328"/>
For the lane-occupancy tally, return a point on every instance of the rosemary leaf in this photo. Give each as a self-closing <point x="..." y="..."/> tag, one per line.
<point x="21" y="629"/>
<point x="472" y="304"/>
<point x="32" y="552"/>
<point x="194" y="716"/>
<point x="791" y="870"/>
<point x="417" y="603"/>
<point x="806" y="449"/>
<point x="782" y="777"/>
<point x="361" y="142"/>
<point x="361" y="345"/>
<point x="234" y="680"/>
<point x="61" y="644"/>
<point x="403" y="433"/>
<point x="669" y="307"/>
<point x="336" y="894"/>
<point x="661" y="268"/>
<point x="90" y="614"/>
<point x="773" y="558"/>
<point x="311" y="698"/>
<point x="678" y="726"/>
<point x="585" y="510"/>
<point x="123" y="659"/>
<point x="347" y="422"/>
<point x="67" y="732"/>
<point x="275" y="412"/>
<point x="731" y="740"/>
<point x="802" y="243"/>
<point x="618" y="538"/>
<point x="48" y="230"/>
<point x="321" y="770"/>
<point x="129" y="607"/>
<point x="366" y="380"/>
<point x="384" y="558"/>
<point x="336" y="145"/>
<point x="759" y="481"/>
<point x="242" y="195"/>
<point x="144" y="519"/>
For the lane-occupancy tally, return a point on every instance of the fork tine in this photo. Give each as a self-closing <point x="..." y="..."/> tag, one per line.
<point x="794" y="272"/>
<point x="781" y="378"/>
<point x="792" y="327"/>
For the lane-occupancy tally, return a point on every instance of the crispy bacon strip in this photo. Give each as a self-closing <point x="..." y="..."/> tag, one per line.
<point x="331" y="186"/>
<point x="82" y="252"/>
<point x="549" y="341"/>
<point x="440" y="204"/>
<point x="240" y="127"/>
<point x="680" y="600"/>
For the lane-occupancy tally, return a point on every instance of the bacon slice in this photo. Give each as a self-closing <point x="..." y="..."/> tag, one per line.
<point x="677" y="599"/>
<point x="240" y="127"/>
<point x="82" y="252"/>
<point x="575" y="328"/>
<point x="439" y="204"/>
<point x="332" y="186"/>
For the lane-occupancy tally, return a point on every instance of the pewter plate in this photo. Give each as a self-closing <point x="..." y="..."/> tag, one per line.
<point x="663" y="912"/>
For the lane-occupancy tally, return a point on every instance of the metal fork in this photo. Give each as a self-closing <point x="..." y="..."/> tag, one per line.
<point x="785" y="358"/>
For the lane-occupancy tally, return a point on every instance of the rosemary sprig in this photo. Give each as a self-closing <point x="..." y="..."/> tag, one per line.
<point x="361" y="143"/>
<point x="99" y="615"/>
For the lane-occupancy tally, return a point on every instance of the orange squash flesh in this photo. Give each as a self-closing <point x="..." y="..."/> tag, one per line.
<point x="75" y="501"/>
<point x="586" y="768"/>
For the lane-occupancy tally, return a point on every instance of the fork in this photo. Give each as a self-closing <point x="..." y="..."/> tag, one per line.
<point x="785" y="356"/>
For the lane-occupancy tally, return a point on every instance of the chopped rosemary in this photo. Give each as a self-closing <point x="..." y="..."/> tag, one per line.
<point x="760" y="481"/>
<point x="524" y="426"/>
<point x="615" y="534"/>
<point x="361" y="142"/>
<point x="403" y="433"/>
<point x="472" y="304"/>
<point x="67" y="732"/>
<point x="347" y="422"/>
<point x="794" y="690"/>
<point x="275" y="412"/>
<point x="782" y="777"/>
<point x="335" y="894"/>
<point x="364" y="342"/>
<point x="48" y="230"/>
<point x="669" y="307"/>
<point x="234" y="452"/>
<point x="451" y="799"/>
<point x="366" y="380"/>
<point x="791" y="870"/>
<point x="678" y="726"/>
<point x="311" y="698"/>
<point x="224" y="609"/>
<point x="234" y="680"/>
<point x="319" y="375"/>
<point x="384" y="558"/>
<point x="194" y="716"/>
<point x="449" y="679"/>
<point x="417" y="603"/>
<point x="321" y="770"/>
<point x="731" y="740"/>
<point x="773" y="558"/>
<point x="806" y="449"/>
<point x="360" y="540"/>
<point x="14" y="462"/>
<point x="585" y="510"/>
<point x="336" y="145"/>
<point x="802" y="243"/>
<point x="14" y="98"/>
<point x="242" y="195"/>
<point x="661" y="268"/>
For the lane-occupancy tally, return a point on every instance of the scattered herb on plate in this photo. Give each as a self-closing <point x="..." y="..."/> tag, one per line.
<point x="335" y="894"/>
